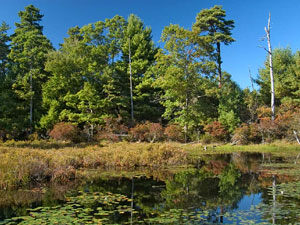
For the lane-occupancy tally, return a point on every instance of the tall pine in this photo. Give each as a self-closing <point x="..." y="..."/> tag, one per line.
<point x="29" y="48"/>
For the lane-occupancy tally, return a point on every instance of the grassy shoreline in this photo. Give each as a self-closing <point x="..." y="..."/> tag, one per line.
<point x="25" y="162"/>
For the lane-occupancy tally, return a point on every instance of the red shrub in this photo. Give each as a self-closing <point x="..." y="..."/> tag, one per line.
<point x="174" y="133"/>
<point x="113" y="130"/>
<point x="216" y="130"/>
<point x="64" y="132"/>
<point x="241" y="135"/>
<point x="139" y="132"/>
<point x="156" y="132"/>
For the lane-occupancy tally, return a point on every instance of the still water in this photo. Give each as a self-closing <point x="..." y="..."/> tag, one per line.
<point x="234" y="188"/>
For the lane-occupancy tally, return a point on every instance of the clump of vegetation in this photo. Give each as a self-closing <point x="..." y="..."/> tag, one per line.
<point x="217" y="131"/>
<point x="174" y="133"/>
<point x="20" y="166"/>
<point x="147" y="132"/>
<point x="64" y="132"/>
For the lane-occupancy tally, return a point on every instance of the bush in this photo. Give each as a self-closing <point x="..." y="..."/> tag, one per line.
<point x="149" y="132"/>
<point x="64" y="132"/>
<point x="112" y="131"/>
<point x="217" y="131"/>
<point x="241" y="135"/>
<point x="174" y="133"/>
<point x="155" y="133"/>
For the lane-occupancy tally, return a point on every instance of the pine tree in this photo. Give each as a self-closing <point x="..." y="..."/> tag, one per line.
<point x="29" y="48"/>
<point x="212" y="23"/>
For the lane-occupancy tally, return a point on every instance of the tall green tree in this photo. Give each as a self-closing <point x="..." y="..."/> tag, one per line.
<point x="184" y="75"/>
<point x="28" y="55"/>
<point x="286" y="78"/>
<point x="231" y="104"/>
<point x="82" y="59"/>
<point x="4" y="50"/>
<point x="138" y="42"/>
<point x="213" y="24"/>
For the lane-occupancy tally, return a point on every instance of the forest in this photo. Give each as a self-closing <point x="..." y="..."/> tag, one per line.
<point x="109" y="81"/>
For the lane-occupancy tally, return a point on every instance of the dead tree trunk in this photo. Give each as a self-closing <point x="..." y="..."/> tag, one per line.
<point x="267" y="30"/>
<point x="131" y="89"/>
<point x="219" y="61"/>
<point x="31" y="104"/>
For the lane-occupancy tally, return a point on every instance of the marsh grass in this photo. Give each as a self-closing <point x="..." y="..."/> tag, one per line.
<point x="40" y="161"/>
<point x="21" y="166"/>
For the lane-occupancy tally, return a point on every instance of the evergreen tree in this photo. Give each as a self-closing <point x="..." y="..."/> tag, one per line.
<point x="286" y="78"/>
<point x="184" y="75"/>
<point x="142" y="50"/>
<point x="212" y="23"/>
<point x="28" y="55"/>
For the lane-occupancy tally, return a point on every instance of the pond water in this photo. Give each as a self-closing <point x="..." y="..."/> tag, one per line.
<point x="234" y="188"/>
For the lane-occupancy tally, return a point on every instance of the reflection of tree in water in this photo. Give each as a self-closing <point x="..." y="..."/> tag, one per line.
<point x="202" y="190"/>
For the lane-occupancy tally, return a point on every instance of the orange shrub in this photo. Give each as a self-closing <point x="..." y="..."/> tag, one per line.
<point x="174" y="133"/>
<point x="112" y="130"/>
<point x="217" y="130"/>
<point x="148" y="131"/>
<point x="64" y="132"/>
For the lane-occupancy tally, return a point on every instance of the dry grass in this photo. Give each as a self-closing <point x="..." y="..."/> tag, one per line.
<point x="23" y="162"/>
<point x="20" y="166"/>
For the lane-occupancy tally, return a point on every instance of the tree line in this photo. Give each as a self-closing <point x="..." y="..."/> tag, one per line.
<point x="109" y="78"/>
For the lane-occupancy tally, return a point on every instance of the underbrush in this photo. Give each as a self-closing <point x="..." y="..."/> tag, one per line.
<point x="20" y="166"/>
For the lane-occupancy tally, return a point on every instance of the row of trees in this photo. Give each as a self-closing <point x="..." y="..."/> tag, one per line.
<point x="112" y="70"/>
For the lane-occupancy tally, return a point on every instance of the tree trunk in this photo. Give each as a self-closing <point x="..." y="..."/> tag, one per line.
<point x="219" y="63"/>
<point x="187" y="112"/>
<point x="131" y="94"/>
<point x="31" y="105"/>
<point x="271" y="69"/>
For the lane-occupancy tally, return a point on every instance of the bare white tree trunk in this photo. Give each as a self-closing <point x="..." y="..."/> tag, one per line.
<point x="267" y="30"/>
<point x="31" y="104"/>
<point x="130" y="73"/>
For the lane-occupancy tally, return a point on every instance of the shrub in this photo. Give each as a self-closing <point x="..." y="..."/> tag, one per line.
<point x="217" y="130"/>
<point x="64" y="132"/>
<point x="241" y="135"/>
<point x="155" y="133"/>
<point x="149" y="132"/>
<point x="138" y="133"/>
<point x="174" y="133"/>
<point x="112" y="130"/>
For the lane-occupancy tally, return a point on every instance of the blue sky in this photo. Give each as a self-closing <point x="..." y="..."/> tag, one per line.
<point x="250" y="18"/>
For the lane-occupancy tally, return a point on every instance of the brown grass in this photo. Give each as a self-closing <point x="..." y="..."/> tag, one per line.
<point x="20" y="166"/>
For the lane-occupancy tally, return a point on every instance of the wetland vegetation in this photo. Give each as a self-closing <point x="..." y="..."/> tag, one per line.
<point x="112" y="129"/>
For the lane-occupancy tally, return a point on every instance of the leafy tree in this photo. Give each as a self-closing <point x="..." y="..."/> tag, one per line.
<point x="212" y="23"/>
<point x="86" y="108"/>
<point x="28" y="54"/>
<point x="79" y="60"/>
<point x="184" y="76"/>
<point x="231" y="104"/>
<point x="4" y="50"/>
<point x="143" y="51"/>
<point x="286" y="77"/>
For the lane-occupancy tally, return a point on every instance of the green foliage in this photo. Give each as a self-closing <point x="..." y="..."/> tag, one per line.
<point x="28" y="55"/>
<point x="184" y="72"/>
<point x="230" y="104"/>
<point x="213" y="25"/>
<point x="286" y="77"/>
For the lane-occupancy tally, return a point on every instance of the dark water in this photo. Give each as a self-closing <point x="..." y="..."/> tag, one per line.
<point x="235" y="188"/>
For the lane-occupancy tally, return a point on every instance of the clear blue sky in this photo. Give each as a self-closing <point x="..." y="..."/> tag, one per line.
<point x="250" y="18"/>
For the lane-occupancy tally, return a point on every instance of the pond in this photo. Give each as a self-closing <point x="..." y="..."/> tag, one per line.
<point x="237" y="188"/>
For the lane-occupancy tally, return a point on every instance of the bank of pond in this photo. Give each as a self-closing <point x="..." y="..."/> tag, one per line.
<point x="175" y="184"/>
